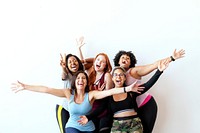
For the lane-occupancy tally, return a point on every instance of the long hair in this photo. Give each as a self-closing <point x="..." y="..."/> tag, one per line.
<point x="108" y="68"/>
<point x="73" y="83"/>
<point x="128" y="53"/>
<point x="81" y="67"/>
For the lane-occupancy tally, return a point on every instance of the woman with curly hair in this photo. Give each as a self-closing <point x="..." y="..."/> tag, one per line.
<point x="147" y="105"/>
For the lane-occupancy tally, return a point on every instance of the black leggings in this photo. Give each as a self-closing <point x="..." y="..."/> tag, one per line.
<point x="62" y="117"/>
<point x="148" y="114"/>
<point x="102" y="125"/>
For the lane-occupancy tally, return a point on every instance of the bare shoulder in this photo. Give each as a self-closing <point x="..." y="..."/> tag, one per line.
<point x="134" y="71"/>
<point x="92" y="93"/>
<point x="67" y="92"/>
<point x="107" y="74"/>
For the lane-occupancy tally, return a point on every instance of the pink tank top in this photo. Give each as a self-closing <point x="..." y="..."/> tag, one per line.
<point x="141" y="99"/>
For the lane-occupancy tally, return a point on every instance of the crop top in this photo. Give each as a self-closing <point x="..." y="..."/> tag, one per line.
<point x="130" y="101"/>
<point x="120" y="106"/>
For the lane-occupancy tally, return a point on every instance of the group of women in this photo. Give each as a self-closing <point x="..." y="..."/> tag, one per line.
<point x="99" y="100"/>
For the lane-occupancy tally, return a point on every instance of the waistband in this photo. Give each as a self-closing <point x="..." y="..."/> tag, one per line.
<point x="125" y="118"/>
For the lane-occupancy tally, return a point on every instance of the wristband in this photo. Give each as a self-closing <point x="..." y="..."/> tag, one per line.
<point x="124" y="89"/>
<point x="172" y="58"/>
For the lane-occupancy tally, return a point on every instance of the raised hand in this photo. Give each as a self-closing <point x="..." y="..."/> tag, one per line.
<point x="62" y="60"/>
<point x="163" y="64"/>
<point x="80" y="42"/>
<point x="100" y="87"/>
<point x="18" y="86"/>
<point x="134" y="87"/>
<point x="179" y="54"/>
<point x="83" y="120"/>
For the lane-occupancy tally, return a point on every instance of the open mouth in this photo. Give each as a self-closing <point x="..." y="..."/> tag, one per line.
<point x="98" y="66"/>
<point x="80" y="84"/>
<point x="74" y="67"/>
<point x="123" y="62"/>
<point x="118" y="81"/>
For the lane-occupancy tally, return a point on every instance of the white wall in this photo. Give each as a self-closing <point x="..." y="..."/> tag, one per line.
<point x="34" y="33"/>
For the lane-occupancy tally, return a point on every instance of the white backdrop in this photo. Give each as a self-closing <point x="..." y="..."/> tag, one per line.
<point x="34" y="32"/>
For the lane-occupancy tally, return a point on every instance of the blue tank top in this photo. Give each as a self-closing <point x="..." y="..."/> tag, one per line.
<point x="76" y="110"/>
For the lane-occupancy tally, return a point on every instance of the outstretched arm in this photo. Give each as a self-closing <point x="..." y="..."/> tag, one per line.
<point x="19" y="86"/>
<point x="102" y="94"/>
<point x="163" y="64"/>
<point x="140" y="71"/>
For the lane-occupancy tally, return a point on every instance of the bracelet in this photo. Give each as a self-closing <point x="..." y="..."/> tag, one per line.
<point x="124" y="89"/>
<point x="172" y="58"/>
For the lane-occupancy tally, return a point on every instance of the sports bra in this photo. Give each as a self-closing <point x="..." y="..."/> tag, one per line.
<point x="121" y="106"/>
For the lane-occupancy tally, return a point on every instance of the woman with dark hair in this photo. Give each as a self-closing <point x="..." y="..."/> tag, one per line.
<point x="79" y="99"/>
<point x="147" y="105"/>
<point x="70" y="65"/>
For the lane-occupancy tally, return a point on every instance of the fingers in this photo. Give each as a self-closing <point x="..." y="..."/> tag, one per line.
<point x="140" y="85"/>
<point x="64" y="58"/>
<point x="15" y="90"/>
<point x="179" y="54"/>
<point x="174" y="51"/>
<point x="139" y="90"/>
<point x="79" y="41"/>
<point x="81" y="121"/>
<point x="163" y="64"/>
<point x="102" y="86"/>
<point x="61" y="56"/>
<point x="182" y="52"/>
<point x="16" y="87"/>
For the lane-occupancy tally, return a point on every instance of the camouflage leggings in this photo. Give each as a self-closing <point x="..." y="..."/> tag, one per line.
<point x="132" y="125"/>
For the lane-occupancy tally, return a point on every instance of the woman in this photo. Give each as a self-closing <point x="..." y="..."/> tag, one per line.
<point x="70" y="65"/>
<point x="100" y="79"/>
<point x="123" y="107"/>
<point x="79" y="99"/>
<point x="146" y="103"/>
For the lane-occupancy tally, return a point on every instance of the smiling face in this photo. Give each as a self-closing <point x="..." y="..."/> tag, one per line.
<point x="100" y="63"/>
<point x="118" y="77"/>
<point x="125" y="61"/>
<point x="81" y="81"/>
<point x="72" y="64"/>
